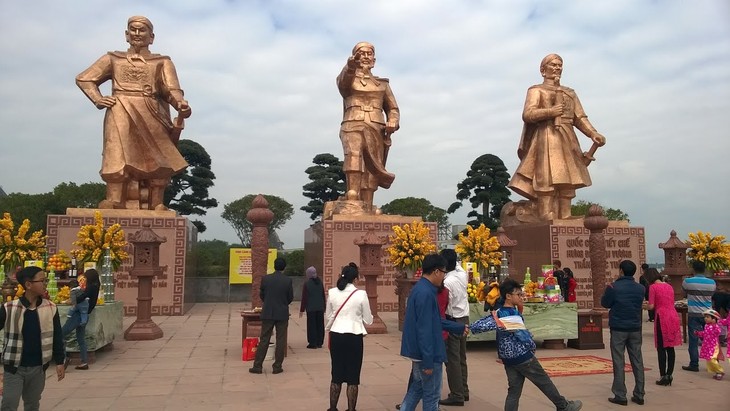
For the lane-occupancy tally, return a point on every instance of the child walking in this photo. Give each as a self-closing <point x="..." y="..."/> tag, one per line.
<point x="516" y="349"/>
<point x="710" y="350"/>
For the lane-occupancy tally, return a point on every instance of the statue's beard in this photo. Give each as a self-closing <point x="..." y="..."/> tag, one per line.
<point x="367" y="66"/>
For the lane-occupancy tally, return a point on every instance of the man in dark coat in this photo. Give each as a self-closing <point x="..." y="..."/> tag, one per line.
<point x="277" y="293"/>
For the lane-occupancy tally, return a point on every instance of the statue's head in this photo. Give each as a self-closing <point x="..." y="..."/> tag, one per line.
<point x="551" y="66"/>
<point x="139" y="31"/>
<point x="364" y="54"/>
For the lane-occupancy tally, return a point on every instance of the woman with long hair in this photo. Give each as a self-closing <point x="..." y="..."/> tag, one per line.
<point x="348" y="310"/>
<point x="77" y="321"/>
<point x="667" y="331"/>
<point x="572" y="285"/>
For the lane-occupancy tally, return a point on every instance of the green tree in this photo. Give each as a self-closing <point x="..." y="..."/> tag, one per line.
<point x="235" y="214"/>
<point x="580" y="208"/>
<point x="294" y="262"/>
<point x="37" y="207"/>
<point x="420" y="207"/>
<point x="326" y="183"/>
<point x="485" y="185"/>
<point x="213" y="258"/>
<point x="188" y="191"/>
<point x="86" y="195"/>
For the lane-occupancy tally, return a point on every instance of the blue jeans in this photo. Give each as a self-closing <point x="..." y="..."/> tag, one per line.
<point x="426" y="387"/>
<point x="83" y="309"/>
<point x="74" y="323"/>
<point x="694" y="324"/>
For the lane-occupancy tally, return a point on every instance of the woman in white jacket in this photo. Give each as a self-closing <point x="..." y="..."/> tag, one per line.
<point x="348" y="310"/>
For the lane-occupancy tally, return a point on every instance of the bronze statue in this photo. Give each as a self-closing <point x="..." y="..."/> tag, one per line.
<point x="364" y="132"/>
<point x="140" y="154"/>
<point x="552" y="165"/>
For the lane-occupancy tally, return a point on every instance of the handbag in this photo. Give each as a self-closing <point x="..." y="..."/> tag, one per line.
<point x="329" y="323"/>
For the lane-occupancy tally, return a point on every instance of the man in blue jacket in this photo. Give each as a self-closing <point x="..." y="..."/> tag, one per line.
<point x="624" y="299"/>
<point x="422" y="340"/>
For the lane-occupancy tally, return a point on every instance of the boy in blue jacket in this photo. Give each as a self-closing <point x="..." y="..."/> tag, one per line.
<point x="516" y="349"/>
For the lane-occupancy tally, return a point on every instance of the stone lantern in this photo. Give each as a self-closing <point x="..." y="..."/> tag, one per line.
<point x="145" y="266"/>
<point x="675" y="262"/>
<point x="371" y="266"/>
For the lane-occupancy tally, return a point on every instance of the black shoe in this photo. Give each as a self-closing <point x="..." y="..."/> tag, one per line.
<point x="690" y="368"/>
<point x="451" y="401"/>
<point x="618" y="401"/>
<point x="665" y="380"/>
<point x="82" y="367"/>
<point x="254" y="370"/>
<point x="311" y="347"/>
<point x="637" y="400"/>
<point x="319" y="346"/>
<point x="277" y="371"/>
<point x="466" y="397"/>
<point x="397" y="406"/>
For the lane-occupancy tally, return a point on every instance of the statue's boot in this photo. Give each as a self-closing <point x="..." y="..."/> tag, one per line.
<point x="115" y="196"/>
<point x="545" y="207"/>
<point x="157" y="195"/>
<point x="564" y="208"/>
<point x="354" y="182"/>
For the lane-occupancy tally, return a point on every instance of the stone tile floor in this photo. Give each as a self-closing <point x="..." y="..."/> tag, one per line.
<point x="197" y="366"/>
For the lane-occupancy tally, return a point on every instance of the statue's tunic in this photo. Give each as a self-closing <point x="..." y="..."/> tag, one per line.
<point x="137" y="129"/>
<point x="366" y="102"/>
<point x="551" y="157"/>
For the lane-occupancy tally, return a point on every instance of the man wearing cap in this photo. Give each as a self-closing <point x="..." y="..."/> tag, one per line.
<point x="140" y="154"/>
<point x="365" y="132"/>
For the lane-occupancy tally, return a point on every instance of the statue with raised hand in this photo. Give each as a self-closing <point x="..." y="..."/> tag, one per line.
<point x="140" y="152"/>
<point x="552" y="165"/>
<point x="370" y="117"/>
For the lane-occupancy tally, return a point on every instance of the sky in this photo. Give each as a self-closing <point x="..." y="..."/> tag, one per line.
<point x="653" y="77"/>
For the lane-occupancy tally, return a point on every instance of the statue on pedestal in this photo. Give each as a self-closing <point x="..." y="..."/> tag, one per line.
<point x="370" y="116"/>
<point x="140" y="153"/>
<point x="552" y="165"/>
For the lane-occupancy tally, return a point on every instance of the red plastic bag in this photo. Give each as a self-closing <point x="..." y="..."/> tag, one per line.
<point x="249" y="348"/>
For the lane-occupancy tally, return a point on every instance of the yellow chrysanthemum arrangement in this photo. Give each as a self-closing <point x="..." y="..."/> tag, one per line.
<point x="477" y="246"/>
<point x="16" y="247"/>
<point x="93" y="239"/>
<point x="711" y="250"/>
<point x="409" y="244"/>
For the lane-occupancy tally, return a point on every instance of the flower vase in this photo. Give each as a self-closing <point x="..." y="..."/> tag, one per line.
<point x="409" y="272"/>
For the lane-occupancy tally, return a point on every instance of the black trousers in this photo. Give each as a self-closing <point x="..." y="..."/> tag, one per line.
<point x="315" y="328"/>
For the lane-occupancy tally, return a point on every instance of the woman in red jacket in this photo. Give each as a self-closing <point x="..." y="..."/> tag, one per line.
<point x="572" y="284"/>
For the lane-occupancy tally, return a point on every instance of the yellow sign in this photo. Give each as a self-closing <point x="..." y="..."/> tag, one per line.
<point x="240" y="269"/>
<point x="33" y="263"/>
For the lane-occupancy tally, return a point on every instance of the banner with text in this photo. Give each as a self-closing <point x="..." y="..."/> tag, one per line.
<point x="240" y="270"/>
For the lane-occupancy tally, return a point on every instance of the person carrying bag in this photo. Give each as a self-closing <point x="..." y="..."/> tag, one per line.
<point x="345" y="338"/>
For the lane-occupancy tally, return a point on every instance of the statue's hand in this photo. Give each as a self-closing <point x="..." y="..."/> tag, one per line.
<point x="184" y="109"/>
<point x="391" y="127"/>
<point x="106" y="102"/>
<point x="557" y="110"/>
<point x="352" y="62"/>
<point x="599" y="139"/>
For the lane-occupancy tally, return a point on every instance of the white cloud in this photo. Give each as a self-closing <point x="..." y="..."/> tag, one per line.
<point x="654" y="77"/>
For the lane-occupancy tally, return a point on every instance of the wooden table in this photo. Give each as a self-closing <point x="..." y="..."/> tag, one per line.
<point x="253" y="319"/>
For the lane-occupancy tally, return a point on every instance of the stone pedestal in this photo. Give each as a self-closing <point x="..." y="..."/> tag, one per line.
<point x="567" y="240"/>
<point x="173" y="293"/>
<point x="371" y="267"/>
<point x="329" y="246"/>
<point x="403" y="290"/>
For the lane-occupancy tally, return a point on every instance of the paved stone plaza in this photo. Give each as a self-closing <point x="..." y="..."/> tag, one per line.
<point x="197" y="366"/>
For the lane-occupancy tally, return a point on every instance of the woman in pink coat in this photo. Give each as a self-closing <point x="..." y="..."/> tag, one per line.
<point x="667" y="331"/>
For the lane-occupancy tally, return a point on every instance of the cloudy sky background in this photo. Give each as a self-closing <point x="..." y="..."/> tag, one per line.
<point x="653" y="76"/>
